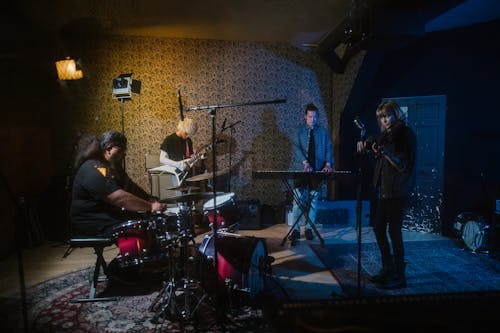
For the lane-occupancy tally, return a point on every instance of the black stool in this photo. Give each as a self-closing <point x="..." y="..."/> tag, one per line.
<point x="98" y="244"/>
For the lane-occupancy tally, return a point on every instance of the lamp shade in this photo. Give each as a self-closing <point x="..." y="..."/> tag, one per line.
<point x="66" y="70"/>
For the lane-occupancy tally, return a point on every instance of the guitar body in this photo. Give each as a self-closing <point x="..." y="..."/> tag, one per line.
<point x="180" y="175"/>
<point x="177" y="174"/>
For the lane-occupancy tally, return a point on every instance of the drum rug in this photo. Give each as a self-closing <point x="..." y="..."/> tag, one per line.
<point x="437" y="266"/>
<point x="50" y="309"/>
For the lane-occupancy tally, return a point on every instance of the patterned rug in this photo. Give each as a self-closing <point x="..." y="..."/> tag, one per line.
<point x="437" y="266"/>
<point x="50" y="309"/>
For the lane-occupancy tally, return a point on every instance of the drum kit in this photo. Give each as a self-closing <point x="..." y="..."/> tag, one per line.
<point x="192" y="279"/>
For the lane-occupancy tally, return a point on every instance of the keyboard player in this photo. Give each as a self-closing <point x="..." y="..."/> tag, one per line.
<point x="312" y="151"/>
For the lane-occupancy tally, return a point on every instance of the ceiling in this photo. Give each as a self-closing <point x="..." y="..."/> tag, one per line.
<point x="300" y="22"/>
<point x="240" y="20"/>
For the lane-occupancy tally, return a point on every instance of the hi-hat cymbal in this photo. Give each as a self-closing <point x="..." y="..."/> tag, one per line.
<point x="205" y="176"/>
<point x="191" y="197"/>
<point x="184" y="188"/>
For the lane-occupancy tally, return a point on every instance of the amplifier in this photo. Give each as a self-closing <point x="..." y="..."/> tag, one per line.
<point x="250" y="214"/>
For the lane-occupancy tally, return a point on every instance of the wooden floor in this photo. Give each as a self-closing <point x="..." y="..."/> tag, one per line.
<point x="311" y="291"/>
<point x="297" y="267"/>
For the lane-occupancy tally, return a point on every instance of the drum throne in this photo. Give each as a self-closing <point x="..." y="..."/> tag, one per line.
<point x="98" y="244"/>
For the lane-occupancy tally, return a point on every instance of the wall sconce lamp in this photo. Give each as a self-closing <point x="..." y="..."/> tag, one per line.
<point x="66" y="70"/>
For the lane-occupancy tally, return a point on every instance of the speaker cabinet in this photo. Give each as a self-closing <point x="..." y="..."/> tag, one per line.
<point x="250" y="215"/>
<point x="342" y="213"/>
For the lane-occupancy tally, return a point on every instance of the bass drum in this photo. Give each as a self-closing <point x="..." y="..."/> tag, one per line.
<point x="240" y="262"/>
<point x="475" y="234"/>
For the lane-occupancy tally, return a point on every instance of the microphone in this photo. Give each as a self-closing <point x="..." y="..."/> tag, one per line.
<point x="223" y="125"/>
<point x="358" y="123"/>
<point x="180" y="104"/>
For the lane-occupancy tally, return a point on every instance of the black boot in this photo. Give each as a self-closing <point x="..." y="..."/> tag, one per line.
<point x="398" y="280"/>
<point x="387" y="271"/>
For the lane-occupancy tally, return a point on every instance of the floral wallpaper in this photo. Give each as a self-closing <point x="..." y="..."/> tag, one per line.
<point x="230" y="77"/>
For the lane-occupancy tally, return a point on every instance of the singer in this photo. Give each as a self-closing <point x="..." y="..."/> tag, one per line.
<point x="393" y="177"/>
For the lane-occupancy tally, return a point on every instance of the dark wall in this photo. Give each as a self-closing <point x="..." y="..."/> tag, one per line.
<point x="464" y="65"/>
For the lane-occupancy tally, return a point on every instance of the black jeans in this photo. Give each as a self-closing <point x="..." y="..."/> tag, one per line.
<point x="389" y="215"/>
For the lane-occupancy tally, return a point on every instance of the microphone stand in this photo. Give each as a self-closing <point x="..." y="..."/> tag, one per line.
<point x="230" y="150"/>
<point x="359" y="209"/>
<point x="212" y="111"/>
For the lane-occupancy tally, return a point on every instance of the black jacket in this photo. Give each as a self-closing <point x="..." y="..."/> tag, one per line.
<point x="391" y="182"/>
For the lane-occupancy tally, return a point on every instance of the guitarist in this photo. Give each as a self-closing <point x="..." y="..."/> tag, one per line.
<point x="178" y="146"/>
<point x="177" y="151"/>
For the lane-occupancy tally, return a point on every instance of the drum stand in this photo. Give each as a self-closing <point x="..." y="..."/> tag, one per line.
<point x="179" y="298"/>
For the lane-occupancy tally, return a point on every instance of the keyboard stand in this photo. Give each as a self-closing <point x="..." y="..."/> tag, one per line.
<point x="304" y="208"/>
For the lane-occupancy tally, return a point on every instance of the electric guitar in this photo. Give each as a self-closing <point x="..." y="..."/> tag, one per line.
<point x="180" y="175"/>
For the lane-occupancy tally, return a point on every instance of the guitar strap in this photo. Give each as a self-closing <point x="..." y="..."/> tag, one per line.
<point x="187" y="149"/>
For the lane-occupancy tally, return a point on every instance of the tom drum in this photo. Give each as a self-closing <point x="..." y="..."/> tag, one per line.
<point x="137" y="242"/>
<point x="225" y="206"/>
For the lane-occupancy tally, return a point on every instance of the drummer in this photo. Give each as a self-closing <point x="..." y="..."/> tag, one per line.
<point x="103" y="194"/>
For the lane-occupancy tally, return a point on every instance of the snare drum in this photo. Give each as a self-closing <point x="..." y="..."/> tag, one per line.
<point x="227" y="212"/>
<point x="137" y="242"/>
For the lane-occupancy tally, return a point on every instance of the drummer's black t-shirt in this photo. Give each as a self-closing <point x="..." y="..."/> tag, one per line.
<point x="90" y="214"/>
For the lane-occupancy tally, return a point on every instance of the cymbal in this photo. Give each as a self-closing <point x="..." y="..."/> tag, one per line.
<point x="205" y="176"/>
<point x="191" y="197"/>
<point x="184" y="188"/>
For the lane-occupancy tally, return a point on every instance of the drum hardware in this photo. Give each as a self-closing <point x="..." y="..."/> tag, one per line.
<point x="180" y="297"/>
<point x="232" y="229"/>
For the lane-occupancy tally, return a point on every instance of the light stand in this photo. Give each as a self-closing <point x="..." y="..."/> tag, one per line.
<point x="123" y="87"/>
<point x="122" y="111"/>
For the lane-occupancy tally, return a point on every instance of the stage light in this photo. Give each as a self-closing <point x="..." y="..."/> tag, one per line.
<point x="66" y="70"/>
<point x="122" y="86"/>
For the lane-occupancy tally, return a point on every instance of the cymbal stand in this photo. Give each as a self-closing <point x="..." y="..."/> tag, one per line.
<point x="181" y="297"/>
<point x="166" y="293"/>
